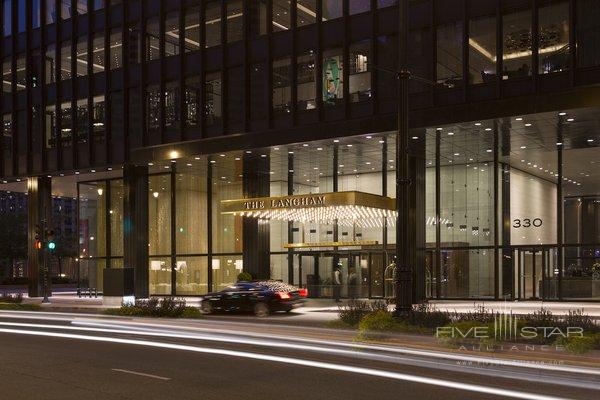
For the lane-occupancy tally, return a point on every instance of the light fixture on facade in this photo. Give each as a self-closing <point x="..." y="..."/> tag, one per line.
<point x="155" y="194"/>
<point x="100" y="191"/>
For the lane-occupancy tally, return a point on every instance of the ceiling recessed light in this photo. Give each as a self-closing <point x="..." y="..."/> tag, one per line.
<point x="369" y="137"/>
<point x="559" y="143"/>
<point x="519" y="119"/>
<point x="415" y="137"/>
<point x="570" y="119"/>
<point x="438" y="129"/>
<point x="590" y="140"/>
<point x="528" y="124"/>
<point x="488" y="129"/>
<point x="523" y="147"/>
<point x="477" y="123"/>
<point x="319" y="148"/>
<point x="450" y="133"/>
<point x="336" y="141"/>
<point x="562" y="113"/>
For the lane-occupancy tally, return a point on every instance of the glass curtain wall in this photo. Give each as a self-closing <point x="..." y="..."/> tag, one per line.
<point x="100" y="230"/>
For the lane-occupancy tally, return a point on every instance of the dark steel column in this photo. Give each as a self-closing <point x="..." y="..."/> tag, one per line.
<point x="496" y="213"/>
<point x="209" y="241"/>
<point x="404" y="243"/>
<point x="559" y="208"/>
<point x="438" y="214"/>
<point x="290" y="224"/>
<point x="135" y="226"/>
<point x="256" y="243"/>
<point x="39" y="213"/>
<point x="173" y="177"/>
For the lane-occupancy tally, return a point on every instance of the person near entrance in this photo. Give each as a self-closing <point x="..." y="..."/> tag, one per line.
<point x="337" y="284"/>
<point x="352" y="284"/>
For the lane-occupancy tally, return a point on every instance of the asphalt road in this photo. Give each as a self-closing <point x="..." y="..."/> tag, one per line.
<point x="78" y="357"/>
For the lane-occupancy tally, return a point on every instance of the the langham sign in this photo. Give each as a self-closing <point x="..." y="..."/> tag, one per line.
<point x="304" y="201"/>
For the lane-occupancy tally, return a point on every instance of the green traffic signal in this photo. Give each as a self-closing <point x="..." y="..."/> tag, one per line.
<point x="51" y="245"/>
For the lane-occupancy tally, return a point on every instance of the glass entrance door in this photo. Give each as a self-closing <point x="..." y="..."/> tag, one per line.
<point x="535" y="273"/>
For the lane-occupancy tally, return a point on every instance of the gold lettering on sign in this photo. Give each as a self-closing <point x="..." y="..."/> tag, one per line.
<point x="254" y="205"/>
<point x="298" y="202"/>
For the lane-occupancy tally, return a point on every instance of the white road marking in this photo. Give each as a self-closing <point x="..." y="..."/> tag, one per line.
<point x="126" y="371"/>
<point x="306" y="363"/>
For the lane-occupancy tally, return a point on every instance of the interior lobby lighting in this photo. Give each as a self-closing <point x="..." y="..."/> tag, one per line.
<point x="559" y="143"/>
<point x="523" y="147"/>
<point x="519" y="119"/>
<point x="450" y="133"/>
<point x="488" y="129"/>
<point x="336" y="141"/>
<point x="100" y="191"/>
<point x="528" y="124"/>
<point x="369" y="137"/>
<point x="221" y="155"/>
<point x="477" y="123"/>
<point x="415" y="137"/>
<point x="155" y="194"/>
<point x="590" y="140"/>
<point x="570" y="119"/>
<point x="562" y="113"/>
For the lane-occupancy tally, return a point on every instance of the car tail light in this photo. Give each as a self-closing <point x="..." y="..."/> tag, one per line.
<point x="283" y="295"/>
<point x="303" y="292"/>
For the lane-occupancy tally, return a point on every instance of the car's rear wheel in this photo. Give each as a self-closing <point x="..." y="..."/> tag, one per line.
<point x="261" y="310"/>
<point x="206" y="307"/>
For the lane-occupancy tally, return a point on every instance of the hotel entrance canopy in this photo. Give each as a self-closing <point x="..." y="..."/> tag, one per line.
<point x="363" y="209"/>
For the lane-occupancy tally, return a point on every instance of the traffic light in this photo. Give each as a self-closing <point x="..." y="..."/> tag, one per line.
<point x="50" y="239"/>
<point x="38" y="238"/>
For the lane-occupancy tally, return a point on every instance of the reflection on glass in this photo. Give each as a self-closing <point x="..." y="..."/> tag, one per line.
<point x="516" y="55"/>
<point x="192" y="29"/>
<point x="115" y="213"/>
<point x="98" y="52"/>
<point x="281" y="15"/>
<point x="282" y="80"/>
<point x="65" y="60"/>
<point x="92" y="221"/>
<point x="482" y="50"/>
<point x="152" y="39"/>
<point x="82" y="53"/>
<point x="449" y="59"/>
<point x="553" y="37"/>
<point x="213" y="23"/>
<point x="333" y="9"/>
<point x="172" y="34"/>
<point x="306" y="77"/>
<point x="116" y="48"/>
<point x="306" y="12"/>
<point x="235" y="14"/>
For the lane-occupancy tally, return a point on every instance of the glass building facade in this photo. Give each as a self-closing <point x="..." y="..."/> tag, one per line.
<point x="194" y="103"/>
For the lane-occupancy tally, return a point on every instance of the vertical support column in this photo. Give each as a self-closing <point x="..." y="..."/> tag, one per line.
<point x="39" y="213"/>
<point x="559" y="209"/>
<point x="290" y="192"/>
<point x="507" y="264"/>
<point x="256" y="231"/>
<point x="384" y="193"/>
<point x="209" y="221"/>
<point x="135" y="226"/>
<point x="496" y="215"/>
<point x="416" y="217"/>
<point x="438" y="213"/>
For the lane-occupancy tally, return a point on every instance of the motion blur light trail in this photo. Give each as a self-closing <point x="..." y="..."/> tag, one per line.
<point x="299" y="362"/>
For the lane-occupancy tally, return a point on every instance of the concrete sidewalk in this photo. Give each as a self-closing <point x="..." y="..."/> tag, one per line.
<point x="327" y="308"/>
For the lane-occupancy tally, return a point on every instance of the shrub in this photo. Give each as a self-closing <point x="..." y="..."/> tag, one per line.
<point x="426" y="316"/>
<point x="244" y="276"/>
<point x="579" y="319"/>
<point x="20" y="306"/>
<point x="11" y="298"/>
<point x="154" y="307"/>
<point x="355" y="310"/>
<point x="579" y="344"/>
<point x="377" y="321"/>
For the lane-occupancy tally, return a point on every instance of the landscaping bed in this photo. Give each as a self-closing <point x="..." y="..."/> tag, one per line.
<point x="576" y="332"/>
<point x="157" y="308"/>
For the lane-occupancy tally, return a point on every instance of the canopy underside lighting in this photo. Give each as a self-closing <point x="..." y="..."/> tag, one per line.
<point x="347" y="208"/>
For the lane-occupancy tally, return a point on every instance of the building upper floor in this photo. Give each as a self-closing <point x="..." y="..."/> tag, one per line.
<point x="88" y="82"/>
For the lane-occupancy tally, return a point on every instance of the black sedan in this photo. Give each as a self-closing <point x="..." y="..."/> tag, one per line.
<point x="262" y="298"/>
